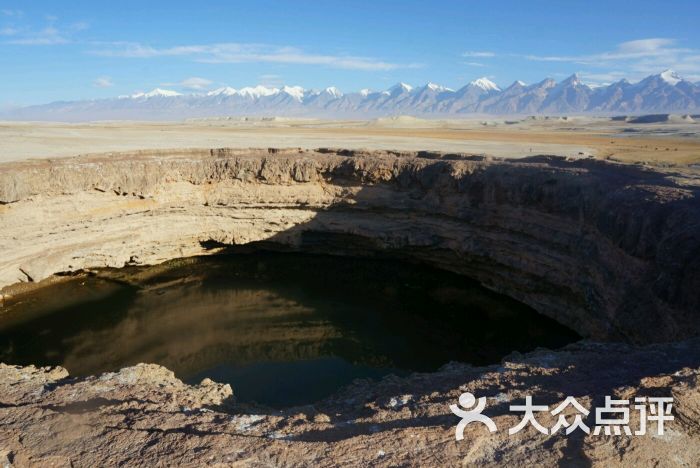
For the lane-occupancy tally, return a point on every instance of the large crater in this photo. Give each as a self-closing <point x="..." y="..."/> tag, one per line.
<point x="609" y="250"/>
<point x="283" y="329"/>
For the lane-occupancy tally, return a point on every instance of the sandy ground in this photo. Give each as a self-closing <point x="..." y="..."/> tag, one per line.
<point x="575" y="137"/>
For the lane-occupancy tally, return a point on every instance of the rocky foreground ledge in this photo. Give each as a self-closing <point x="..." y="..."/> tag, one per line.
<point x="144" y="416"/>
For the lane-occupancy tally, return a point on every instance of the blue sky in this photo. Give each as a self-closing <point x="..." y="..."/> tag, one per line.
<point x="91" y="49"/>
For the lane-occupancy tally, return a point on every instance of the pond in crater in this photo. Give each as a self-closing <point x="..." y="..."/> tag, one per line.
<point x="283" y="329"/>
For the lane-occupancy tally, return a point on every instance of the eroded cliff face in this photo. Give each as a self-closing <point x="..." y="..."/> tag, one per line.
<point x="610" y="250"/>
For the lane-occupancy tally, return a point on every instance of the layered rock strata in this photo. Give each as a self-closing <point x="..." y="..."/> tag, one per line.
<point x="611" y="250"/>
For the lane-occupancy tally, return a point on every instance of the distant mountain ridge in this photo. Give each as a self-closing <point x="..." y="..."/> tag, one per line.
<point x="663" y="92"/>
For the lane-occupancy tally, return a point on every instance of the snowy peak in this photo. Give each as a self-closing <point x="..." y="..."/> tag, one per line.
<point x="297" y="92"/>
<point x="156" y="93"/>
<point x="516" y="85"/>
<point x="670" y="77"/>
<point x="665" y="92"/>
<point x="485" y="84"/>
<point x="258" y="91"/>
<point x="400" y="88"/>
<point x="334" y="92"/>
<point x="546" y="83"/>
<point x="162" y="93"/>
<point x="225" y="91"/>
<point x="436" y="87"/>
<point x="573" y="80"/>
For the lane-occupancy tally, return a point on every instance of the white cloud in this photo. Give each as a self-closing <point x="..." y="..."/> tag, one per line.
<point x="645" y="46"/>
<point x="639" y="58"/>
<point x="474" y="64"/>
<point x="195" y="83"/>
<point x="13" y="13"/>
<point x="242" y="53"/>
<point x="79" y="26"/>
<point x="50" y="35"/>
<point x="47" y="36"/>
<point x="103" y="82"/>
<point x="601" y="78"/>
<point x="274" y="81"/>
<point x="476" y="54"/>
<point x="638" y="49"/>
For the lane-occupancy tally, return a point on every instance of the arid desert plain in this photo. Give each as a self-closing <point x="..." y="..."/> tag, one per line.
<point x="668" y="138"/>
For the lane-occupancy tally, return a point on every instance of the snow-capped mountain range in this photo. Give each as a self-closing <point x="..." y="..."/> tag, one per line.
<point x="664" y="92"/>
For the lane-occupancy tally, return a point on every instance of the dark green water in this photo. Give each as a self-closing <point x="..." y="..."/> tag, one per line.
<point x="282" y="329"/>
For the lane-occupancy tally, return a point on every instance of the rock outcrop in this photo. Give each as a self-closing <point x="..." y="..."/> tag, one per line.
<point x="144" y="416"/>
<point x="611" y="250"/>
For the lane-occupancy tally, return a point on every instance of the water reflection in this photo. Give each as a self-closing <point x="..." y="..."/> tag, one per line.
<point x="283" y="329"/>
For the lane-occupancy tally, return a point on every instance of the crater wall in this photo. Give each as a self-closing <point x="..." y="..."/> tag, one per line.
<point x="611" y="250"/>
